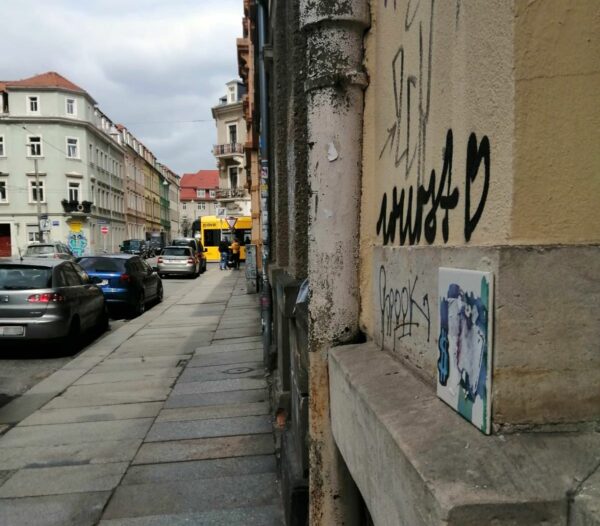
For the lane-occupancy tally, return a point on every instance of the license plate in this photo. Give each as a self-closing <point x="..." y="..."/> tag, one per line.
<point x="12" y="330"/>
<point x="103" y="283"/>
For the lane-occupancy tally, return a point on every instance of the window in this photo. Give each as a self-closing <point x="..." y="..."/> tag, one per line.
<point x="213" y="193"/>
<point x="2" y="153"/>
<point x="33" y="236"/>
<point x="232" y="131"/>
<point x="184" y="206"/>
<point x="72" y="148"/>
<point x="34" y="146"/>
<point x="36" y="191"/>
<point x="33" y="104"/>
<point x="233" y="177"/>
<point x="200" y="192"/>
<point x="74" y="188"/>
<point x="3" y="195"/>
<point x="71" y="106"/>
<point x="201" y="206"/>
<point x="231" y="93"/>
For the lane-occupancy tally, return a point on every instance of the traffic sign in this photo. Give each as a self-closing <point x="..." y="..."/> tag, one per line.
<point x="104" y="230"/>
<point x="231" y="221"/>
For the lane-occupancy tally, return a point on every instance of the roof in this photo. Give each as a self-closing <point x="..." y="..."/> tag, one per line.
<point x="50" y="79"/>
<point x="31" y="262"/>
<point x="189" y="182"/>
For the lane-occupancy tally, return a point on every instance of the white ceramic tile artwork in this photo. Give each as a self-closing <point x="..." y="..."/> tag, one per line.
<point x="465" y="348"/>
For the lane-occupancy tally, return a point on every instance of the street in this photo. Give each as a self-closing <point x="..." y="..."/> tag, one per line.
<point x="165" y="419"/>
<point x="21" y="368"/>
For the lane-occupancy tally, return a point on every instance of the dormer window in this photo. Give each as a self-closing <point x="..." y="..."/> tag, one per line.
<point x="33" y="104"/>
<point x="232" y="97"/>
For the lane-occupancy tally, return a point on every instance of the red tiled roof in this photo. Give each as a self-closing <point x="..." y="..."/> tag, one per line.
<point x="208" y="179"/>
<point x="51" y="79"/>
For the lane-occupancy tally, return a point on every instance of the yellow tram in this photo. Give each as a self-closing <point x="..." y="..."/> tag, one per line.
<point x="213" y="229"/>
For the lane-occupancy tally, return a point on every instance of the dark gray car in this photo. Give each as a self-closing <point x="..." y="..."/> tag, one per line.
<point x="42" y="300"/>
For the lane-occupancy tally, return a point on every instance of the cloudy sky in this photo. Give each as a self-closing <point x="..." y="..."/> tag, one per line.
<point x="151" y="65"/>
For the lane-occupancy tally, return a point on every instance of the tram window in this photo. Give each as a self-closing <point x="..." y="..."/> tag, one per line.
<point x="211" y="238"/>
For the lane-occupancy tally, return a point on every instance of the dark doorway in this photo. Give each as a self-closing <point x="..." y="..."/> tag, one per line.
<point x="5" y="245"/>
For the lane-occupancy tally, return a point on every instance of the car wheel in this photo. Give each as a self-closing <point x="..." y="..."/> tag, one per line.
<point x="140" y="307"/>
<point x="103" y="325"/>
<point x="70" y="343"/>
<point x="159" y="293"/>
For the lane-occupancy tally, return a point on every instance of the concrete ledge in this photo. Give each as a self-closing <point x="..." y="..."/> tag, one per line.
<point x="416" y="462"/>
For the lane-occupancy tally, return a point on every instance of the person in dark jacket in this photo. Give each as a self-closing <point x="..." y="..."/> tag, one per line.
<point x="224" y="251"/>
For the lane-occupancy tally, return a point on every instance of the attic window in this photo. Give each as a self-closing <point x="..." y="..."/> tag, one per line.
<point x="33" y="104"/>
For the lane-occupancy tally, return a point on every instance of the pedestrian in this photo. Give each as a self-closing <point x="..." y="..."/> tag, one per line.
<point x="224" y="251"/>
<point x="235" y="253"/>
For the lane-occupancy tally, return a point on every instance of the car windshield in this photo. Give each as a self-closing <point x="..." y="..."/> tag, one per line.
<point x="22" y="277"/>
<point x="102" y="264"/>
<point x="37" y="250"/>
<point x="132" y="243"/>
<point x="175" y="251"/>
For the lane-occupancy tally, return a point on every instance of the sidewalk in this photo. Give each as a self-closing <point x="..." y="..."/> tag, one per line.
<point x="163" y="422"/>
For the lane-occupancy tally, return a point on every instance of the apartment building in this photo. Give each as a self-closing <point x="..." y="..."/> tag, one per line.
<point x="233" y="195"/>
<point x="68" y="173"/>
<point x="198" y="197"/>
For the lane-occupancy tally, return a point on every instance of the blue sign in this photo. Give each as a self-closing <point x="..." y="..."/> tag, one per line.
<point x="55" y="223"/>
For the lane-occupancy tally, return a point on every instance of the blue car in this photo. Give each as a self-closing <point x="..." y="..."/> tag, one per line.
<point x="126" y="280"/>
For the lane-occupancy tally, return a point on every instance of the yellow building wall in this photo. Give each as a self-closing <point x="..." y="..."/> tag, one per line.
<point x="557" y="96"/>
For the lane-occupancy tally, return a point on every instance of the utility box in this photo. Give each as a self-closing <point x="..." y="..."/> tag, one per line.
<point x="251" y="270"/>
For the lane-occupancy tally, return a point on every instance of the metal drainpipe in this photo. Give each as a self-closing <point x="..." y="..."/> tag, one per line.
<point x="265" y="298"/>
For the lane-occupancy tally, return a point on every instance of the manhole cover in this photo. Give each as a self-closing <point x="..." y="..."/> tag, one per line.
<point x="238" y="370"/>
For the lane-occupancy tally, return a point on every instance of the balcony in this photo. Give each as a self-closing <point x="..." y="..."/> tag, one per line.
<point x="76" y="207"/>
<point x="228" y="150"/>
<point x="225" y="194"/>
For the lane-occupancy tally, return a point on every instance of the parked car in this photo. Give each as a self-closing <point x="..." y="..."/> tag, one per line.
<point x="196" y="246"/>
<point x="139" y="247"/>
<point x="54" y="249"/>
<point x="48" y="299"/>
<point x="127" y="281"/>
<point x="178" y="260"/>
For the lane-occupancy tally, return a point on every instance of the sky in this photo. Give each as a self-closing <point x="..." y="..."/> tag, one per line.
<point x="151" y="65"/>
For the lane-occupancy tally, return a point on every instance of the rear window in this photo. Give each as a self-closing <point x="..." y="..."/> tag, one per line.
<point x="38" y="250"/>
<point x="102" y="264"/>
<point x="132" y="243"/>
<point x="21" y="277"/>
<point x="176" y="251"/>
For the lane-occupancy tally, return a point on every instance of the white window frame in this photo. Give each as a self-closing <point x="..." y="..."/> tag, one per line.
<point x="77" y="189"/>
<point x="74" y="101"/>
<point x="41" y="187"/>
<point x="229" y="126"/>
<point x="201" y="205"/>
<point x="184" y="206"/>
<point x="40" y="144"/>
<point x="77" y="153"/>
<point x="200" y="193"/>
<point x="4" y="184"/>
<point x="213" y="193"/>
<point x="2" y="146"/>
<point x="33" y="99"/>
<point x="33" y="236"/>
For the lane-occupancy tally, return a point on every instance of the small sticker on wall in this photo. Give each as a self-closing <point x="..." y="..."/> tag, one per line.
<point x="465" y="343"/>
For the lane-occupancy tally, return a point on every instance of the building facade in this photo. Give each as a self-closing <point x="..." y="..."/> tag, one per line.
<point x="233" y="197"/>
<point x="68" y="173"/>
<point x="198" y="198"/>
<point x="434" y="259"/>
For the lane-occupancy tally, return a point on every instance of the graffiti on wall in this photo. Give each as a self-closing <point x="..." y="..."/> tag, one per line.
<point x="403" y="309"/>
<point x="77" y="243"/>
<point x="412" y="210"/>
<point x="465" y="344"/>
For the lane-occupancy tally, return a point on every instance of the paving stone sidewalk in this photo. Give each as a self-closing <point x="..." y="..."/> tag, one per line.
<point x="165" y="421"/>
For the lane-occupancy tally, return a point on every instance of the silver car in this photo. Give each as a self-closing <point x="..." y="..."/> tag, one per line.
<point x="178" y="260"/>
<point x="48" y="299"/>
<point x="56" y="250"/>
